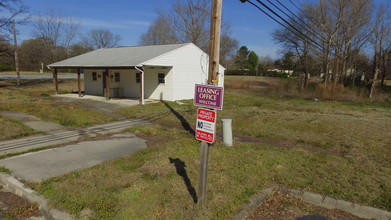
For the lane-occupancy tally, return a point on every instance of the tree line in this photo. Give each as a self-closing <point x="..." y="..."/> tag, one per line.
<point x="55" y="36"/>
<point x="346" y="41"/>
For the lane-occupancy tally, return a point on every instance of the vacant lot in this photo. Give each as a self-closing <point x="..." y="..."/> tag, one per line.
<point x="340" y="149"/>
<point x="33" y="98"/>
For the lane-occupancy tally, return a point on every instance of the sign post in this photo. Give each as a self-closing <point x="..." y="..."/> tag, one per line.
<point x="214" y="56"/>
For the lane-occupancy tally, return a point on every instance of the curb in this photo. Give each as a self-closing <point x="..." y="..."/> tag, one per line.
<point x="19" y="189"/>
<point x="331" y="203"/>
<point x="255" y="201"/>
<point x="366" y="212"/>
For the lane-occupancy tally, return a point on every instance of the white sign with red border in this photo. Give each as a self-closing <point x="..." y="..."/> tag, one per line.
<point x="206" y="124"/>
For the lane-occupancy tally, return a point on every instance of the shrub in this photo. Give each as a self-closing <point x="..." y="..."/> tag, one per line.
<point x="7" y="68"/>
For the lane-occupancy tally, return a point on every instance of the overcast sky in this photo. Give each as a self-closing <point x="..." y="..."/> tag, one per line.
<point x="130" y="19"/>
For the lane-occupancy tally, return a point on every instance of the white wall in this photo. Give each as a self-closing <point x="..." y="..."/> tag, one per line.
<point x="127" y="82"/>
<point x="154" y="89"/>
<point x="93" y="87"/>
<point x="190" y="67"/>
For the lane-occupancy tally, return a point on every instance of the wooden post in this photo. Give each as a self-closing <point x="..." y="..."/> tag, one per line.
<point x="55" y="80"/>
<point x="214" y="54"/>
<point x="107" y="78"/>
<point x="16" y="54"/>
<point x="78" y="82"/>
<point x="212" y="79"/>
<point x="373" y="84"/>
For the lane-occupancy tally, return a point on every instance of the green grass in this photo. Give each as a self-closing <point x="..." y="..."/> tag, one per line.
<point x="29" y="99"/>
<point x="339" y="149"/>
<point x="5" y="170"/>
<point x="12" y="129"/>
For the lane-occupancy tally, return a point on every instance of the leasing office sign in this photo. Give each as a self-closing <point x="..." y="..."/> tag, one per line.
<point x="209" y="96"/>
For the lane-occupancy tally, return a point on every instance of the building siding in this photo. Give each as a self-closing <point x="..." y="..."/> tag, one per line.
<point x="190" y="67"/>
<point x="93" y="87"/>
<point x="127" y="84"/>
<point x="183" y="68"/>
<point x="154" y="89"/>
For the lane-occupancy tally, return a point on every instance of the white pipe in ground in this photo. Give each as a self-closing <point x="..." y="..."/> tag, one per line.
<point x="227" y="131"/>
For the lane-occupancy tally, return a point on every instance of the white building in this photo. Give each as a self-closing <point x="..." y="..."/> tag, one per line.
<point x="163" y="72"/>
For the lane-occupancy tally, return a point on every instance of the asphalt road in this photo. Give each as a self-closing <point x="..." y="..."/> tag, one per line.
<point x="40" y="76"/>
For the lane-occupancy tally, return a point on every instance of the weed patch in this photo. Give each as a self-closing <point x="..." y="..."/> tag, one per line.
<point x="336" y="148"/>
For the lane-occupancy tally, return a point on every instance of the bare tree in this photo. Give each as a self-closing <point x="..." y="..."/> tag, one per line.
<point x="100" y="38"/>
<point x="185" y="22"/>
<point x="10" y="9"/>
<point x="381" y="41"/>
<point x="297" y="41"/>
<point x="337" y="29"/>
<point x="159" y="32"/>
<point x="191" y="20"/>
<point x="6" y="54"/>
<point x="57" y="30"/>
<point x="33" y="52"/>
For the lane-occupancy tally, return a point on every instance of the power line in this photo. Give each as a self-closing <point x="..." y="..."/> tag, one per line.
<point x="296" y="6"/>
<point x="271" y="10"/>
<point x="294" y="31"/>
<point x="298" y="18"/>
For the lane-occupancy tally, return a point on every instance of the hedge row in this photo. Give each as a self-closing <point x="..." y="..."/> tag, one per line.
<point x="7" y="68"/>
<point x="255" y="73"/>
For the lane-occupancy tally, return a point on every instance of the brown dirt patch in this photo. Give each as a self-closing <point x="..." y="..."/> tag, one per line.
<point x="14" y="207"/>
<point x="282" y="206"/>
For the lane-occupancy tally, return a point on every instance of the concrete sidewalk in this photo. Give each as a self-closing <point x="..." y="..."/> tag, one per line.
<point x="33" y="121"/>
<point x="41" y="165"/>
<point x="64" y="136"/>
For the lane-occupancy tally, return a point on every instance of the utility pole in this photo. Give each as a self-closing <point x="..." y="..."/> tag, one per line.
<point x="16" y="54"/>
<point x="214" y="57"/>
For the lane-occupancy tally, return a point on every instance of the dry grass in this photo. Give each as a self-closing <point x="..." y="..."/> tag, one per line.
<point x="23" y="73"/>
<point x="11" y="129"/>
<point x="340" y="149"/>
<point x="33" y="97"/>
<point x="290" y="88"/>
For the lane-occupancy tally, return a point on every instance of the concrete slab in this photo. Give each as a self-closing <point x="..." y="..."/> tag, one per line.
<point x="98" y="103"/>
<point x="111" y="104"/>
<point x="61" y="136"/>
<point x="39" y="166"/>
<point x="32" y="121"/>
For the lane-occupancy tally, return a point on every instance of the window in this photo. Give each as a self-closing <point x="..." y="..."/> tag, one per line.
<point x="161" y="78"/>
<point x="94" y="76"/>
<point x="138" y="77"/>
<point x="117" y="77"/>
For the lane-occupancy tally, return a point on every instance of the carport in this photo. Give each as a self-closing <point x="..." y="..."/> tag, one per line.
<point x="106" y="77"/>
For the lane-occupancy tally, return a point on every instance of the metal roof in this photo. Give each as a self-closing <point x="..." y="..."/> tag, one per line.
<point x="117" y="57"/>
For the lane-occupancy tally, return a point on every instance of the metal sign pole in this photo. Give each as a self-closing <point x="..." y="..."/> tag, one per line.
<point x="212" y="78"/>
<point x="204" y="150"/>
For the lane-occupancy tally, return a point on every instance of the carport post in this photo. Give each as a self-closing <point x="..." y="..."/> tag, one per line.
<point x="55" y="81"/>
<point x="141" y="84"/>
<point x="107" y="78"/>
<point x="78" y="82"/>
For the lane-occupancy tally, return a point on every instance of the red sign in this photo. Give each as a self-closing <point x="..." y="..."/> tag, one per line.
<point x="206" y="124"/>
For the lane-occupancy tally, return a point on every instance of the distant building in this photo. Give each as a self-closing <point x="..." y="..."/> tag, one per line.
<point x="280" y="69"/>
